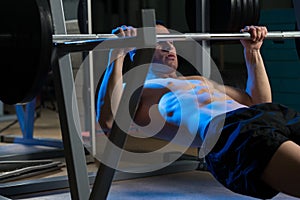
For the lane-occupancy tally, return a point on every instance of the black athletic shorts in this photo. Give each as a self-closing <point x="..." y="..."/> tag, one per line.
<point x="248" y="140"/>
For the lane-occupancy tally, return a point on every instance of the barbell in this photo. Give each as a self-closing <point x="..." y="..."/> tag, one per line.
<point x="87" y="42"/>
<point x="77" y="39"/>
<point x="27" y="44"/>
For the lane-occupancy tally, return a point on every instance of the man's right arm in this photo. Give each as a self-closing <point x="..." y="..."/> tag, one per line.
<point x="110" y="91"/>
<point x="112" y="85"/>
<point x="258" y="88"/>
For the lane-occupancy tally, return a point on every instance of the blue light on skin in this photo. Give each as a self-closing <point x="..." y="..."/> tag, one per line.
<point x="173" y="105"/>
<point x="103" y="87"/>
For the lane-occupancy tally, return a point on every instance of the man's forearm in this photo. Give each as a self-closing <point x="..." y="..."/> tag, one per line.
<point x="112" y="90"/>
<point x="258" y="86"/>
<point x="116" y="77"/>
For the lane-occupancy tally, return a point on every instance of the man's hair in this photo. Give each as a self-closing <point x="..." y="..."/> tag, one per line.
<point x="160" y="22"/>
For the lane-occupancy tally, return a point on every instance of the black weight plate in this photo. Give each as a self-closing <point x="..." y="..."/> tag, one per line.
<point x="231" y="16"/>
<point x="250" y="15"/>
<point x="224" y="15"/>
<point x="256" y="11"/>
<point x="25" y="57"/>
<point x="235" y="21"/>
<point x="236" y="24"/>
<point x="190" y="14"/>
<point x="227" y="22"/>
<point x="243" y="20"/>
<point x="234" y="16"/>
<point x="221" y="15"/>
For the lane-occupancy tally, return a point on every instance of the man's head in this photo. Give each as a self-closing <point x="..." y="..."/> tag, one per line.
<point x="165" y="57"/>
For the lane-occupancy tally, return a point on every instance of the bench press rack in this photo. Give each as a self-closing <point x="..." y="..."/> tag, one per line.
<point x="79" y="180"/>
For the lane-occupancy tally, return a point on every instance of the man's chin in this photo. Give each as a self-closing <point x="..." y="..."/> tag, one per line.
<point x="173" y="66"/>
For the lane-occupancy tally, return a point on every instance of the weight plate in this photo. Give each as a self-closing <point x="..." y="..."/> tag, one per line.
<point x="256" y="11"/>
<point x="225" y="15"/>
<point x="245" y="13"/>
<point x="233" y="15"/>
<point x="190" y="15"/>
<point x="250" y="14"/>
<point x="237" y="10"/>
<point x="26" y="53"/>
<point x="236" y="24"/>
<point x="221" y="15"/>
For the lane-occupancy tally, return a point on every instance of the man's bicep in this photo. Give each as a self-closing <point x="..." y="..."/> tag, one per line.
<point x="238" y="95"/>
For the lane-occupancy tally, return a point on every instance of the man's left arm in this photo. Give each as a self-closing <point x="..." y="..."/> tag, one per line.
<point x="258" y="88"/>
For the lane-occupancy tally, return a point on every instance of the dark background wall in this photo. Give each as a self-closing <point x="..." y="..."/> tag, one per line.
<point x="107" y="14"/>
<point x="174" y="8"/>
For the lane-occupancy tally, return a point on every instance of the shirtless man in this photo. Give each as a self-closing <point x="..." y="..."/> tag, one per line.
<point x="258" y="152"/>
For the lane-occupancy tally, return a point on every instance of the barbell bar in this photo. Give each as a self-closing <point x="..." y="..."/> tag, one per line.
<point x="227" y="36"/>
<point x="81" y="38"/>
<point x="87" y="42"/>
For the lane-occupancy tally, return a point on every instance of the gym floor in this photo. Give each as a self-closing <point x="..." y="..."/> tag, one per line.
<point x="195" y="184"/>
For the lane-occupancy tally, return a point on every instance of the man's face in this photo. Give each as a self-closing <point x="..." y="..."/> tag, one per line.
<point x="165" y="52"/>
